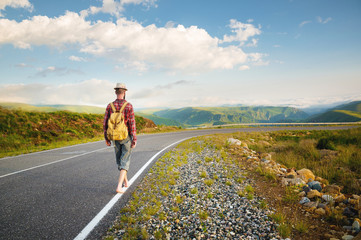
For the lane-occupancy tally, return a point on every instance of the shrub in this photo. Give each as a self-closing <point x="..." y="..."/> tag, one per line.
<point x="325" y="143"/>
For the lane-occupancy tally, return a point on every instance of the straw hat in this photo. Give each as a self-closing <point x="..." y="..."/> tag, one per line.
<point x="121" y="86"/>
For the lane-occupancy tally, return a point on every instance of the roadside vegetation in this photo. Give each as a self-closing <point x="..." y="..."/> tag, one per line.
<point x="332" y="155"/>
<point x="27" y="131"/>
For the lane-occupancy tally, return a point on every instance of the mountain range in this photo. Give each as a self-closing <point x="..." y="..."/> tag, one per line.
<point x="213" y="116"/>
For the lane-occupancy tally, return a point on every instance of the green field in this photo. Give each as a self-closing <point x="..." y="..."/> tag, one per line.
<point x="26" y="131"/>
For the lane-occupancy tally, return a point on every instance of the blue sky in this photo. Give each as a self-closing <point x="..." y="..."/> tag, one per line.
<point x="173" y="53"/>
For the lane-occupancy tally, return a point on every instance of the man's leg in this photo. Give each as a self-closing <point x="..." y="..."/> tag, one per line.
<point x="122" y="177"/>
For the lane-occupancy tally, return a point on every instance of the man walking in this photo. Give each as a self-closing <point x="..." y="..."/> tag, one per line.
<point x="122" y="148"/>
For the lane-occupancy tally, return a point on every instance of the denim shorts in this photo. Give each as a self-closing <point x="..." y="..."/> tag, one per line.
<point x="122" y="153"/>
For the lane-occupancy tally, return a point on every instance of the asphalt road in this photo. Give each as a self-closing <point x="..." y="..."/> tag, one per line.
<point x="54" y="194"/>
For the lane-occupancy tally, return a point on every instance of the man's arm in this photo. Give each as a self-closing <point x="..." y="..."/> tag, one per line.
<point x="105" y="125"/>
<point x="132" y="130"/>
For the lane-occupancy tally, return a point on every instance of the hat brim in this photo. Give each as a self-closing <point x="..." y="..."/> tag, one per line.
<point x="121" y="88"/>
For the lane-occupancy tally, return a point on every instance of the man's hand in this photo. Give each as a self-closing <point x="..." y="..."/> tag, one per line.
<point x="133" y="145"/>
<point x="108" y="143"/>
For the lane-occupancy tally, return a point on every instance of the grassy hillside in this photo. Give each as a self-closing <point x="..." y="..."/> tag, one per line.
<point x="53" y="108"/>
<point x="228" y="115"/>
<point x="25" y="131"/>
<point x="161" y="121"/>
<point x="345" y="113"/>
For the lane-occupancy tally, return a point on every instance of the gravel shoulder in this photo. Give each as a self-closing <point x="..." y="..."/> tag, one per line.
<point x="195" y="192"/>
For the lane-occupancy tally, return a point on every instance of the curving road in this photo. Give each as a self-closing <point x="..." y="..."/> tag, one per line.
<point x="55" y="194"/>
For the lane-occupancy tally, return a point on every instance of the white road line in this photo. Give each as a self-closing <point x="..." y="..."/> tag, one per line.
<point x="46" y="164"/>
<point x="88" y="228"/>
<point x="49" y="150"/>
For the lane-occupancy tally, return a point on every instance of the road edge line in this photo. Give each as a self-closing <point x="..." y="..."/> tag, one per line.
<point x="94" y="222"/>
<point x="46" y="164"/>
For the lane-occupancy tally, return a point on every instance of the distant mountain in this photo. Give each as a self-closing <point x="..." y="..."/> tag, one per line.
<point x="160" y="121"/>
<point x="54" y="108"/>
<point x="350" y="112"/>
<point x="208" y="116"/>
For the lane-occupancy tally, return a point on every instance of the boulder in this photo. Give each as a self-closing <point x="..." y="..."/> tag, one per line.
<point x="311" y="204"/>
<point x="305" y="200"/>
<point x="313" y="194"/>
<point x="349" y="212"/>
<point x="306" y="174"/>
<point x="320" y="211"/>
<point x="356" y="226"/>
<point x="340" y="198"/>
<point x="332" y="189"/>
<point x="327" y="198"/>
<point x="315" y="185"/>
<point x="234" y="141"/>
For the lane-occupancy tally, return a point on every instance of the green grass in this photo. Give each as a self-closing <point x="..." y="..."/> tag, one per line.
<point x="302" y="149"/>
<point x="24" y="131"/>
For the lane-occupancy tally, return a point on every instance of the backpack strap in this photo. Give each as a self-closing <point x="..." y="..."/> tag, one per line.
<point x="123" y="107"/>
<point x="113" y="108"/>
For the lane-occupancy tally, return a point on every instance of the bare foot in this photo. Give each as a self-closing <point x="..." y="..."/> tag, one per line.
<point x="125" y="182"/>
<point x="120" y="191"/>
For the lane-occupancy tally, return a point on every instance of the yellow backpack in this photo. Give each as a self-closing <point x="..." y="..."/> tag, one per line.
<point x="117" y="130"/>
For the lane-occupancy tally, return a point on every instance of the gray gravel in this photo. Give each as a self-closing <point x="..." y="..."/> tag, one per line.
<point x="223" y="209"/>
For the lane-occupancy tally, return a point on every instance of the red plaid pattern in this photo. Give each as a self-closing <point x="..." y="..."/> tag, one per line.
<point x="128" y="118"/>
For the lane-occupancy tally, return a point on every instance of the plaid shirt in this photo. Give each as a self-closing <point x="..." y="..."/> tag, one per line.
<point x="128" y="118"/>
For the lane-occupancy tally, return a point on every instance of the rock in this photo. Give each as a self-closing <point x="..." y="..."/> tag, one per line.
<point x="350" y="212"/>
<point x="315" y="185"/>
<point x="322" y="180"/>
<point x="296" y="182"/>
<point x="354" y="202"/>
<point x="356" y="226"/>
<point x="290" y="175"/>
<point x="302" y="194"/>
<point x="306" y="189"/>
<point x="347" y="237"/>
<point x="320" y="211"/>
<point x="305" y="200"/>
<point x="234" y="141"/>
<point x="358" y="220"/>
<point x="340" y="198"/>
<point x="321" y="205"/>
<point x="283" y="169"/>
<point x="311" y="204"/>
<point x="327" y="198"/>
<point x="313" y="194"/>
<point x="332" y="189"/>
<point x="306" y="174"/>
<point x="244" y="145"/>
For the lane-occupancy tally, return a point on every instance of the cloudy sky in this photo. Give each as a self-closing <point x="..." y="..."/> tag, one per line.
<point x="178" y="53"/>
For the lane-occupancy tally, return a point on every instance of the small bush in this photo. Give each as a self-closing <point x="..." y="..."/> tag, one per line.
<point x="325" y="143"/>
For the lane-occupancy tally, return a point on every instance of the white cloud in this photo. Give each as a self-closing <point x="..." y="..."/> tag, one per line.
<point x="15" y="4"/>
<point x="115" y="8"/>
<point x="320" y="20"/>
<point x="244" y="67"/>
<point x="90" y="92"/>
<point x="304" y="23"/>
<point x="131" y="44"/>
<point x="243" y="31"/>
<point x="55" y="71"/>
<point x="23" y="65"/>
<point x="159" y="89"/>
<point x="77" y="59"/>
